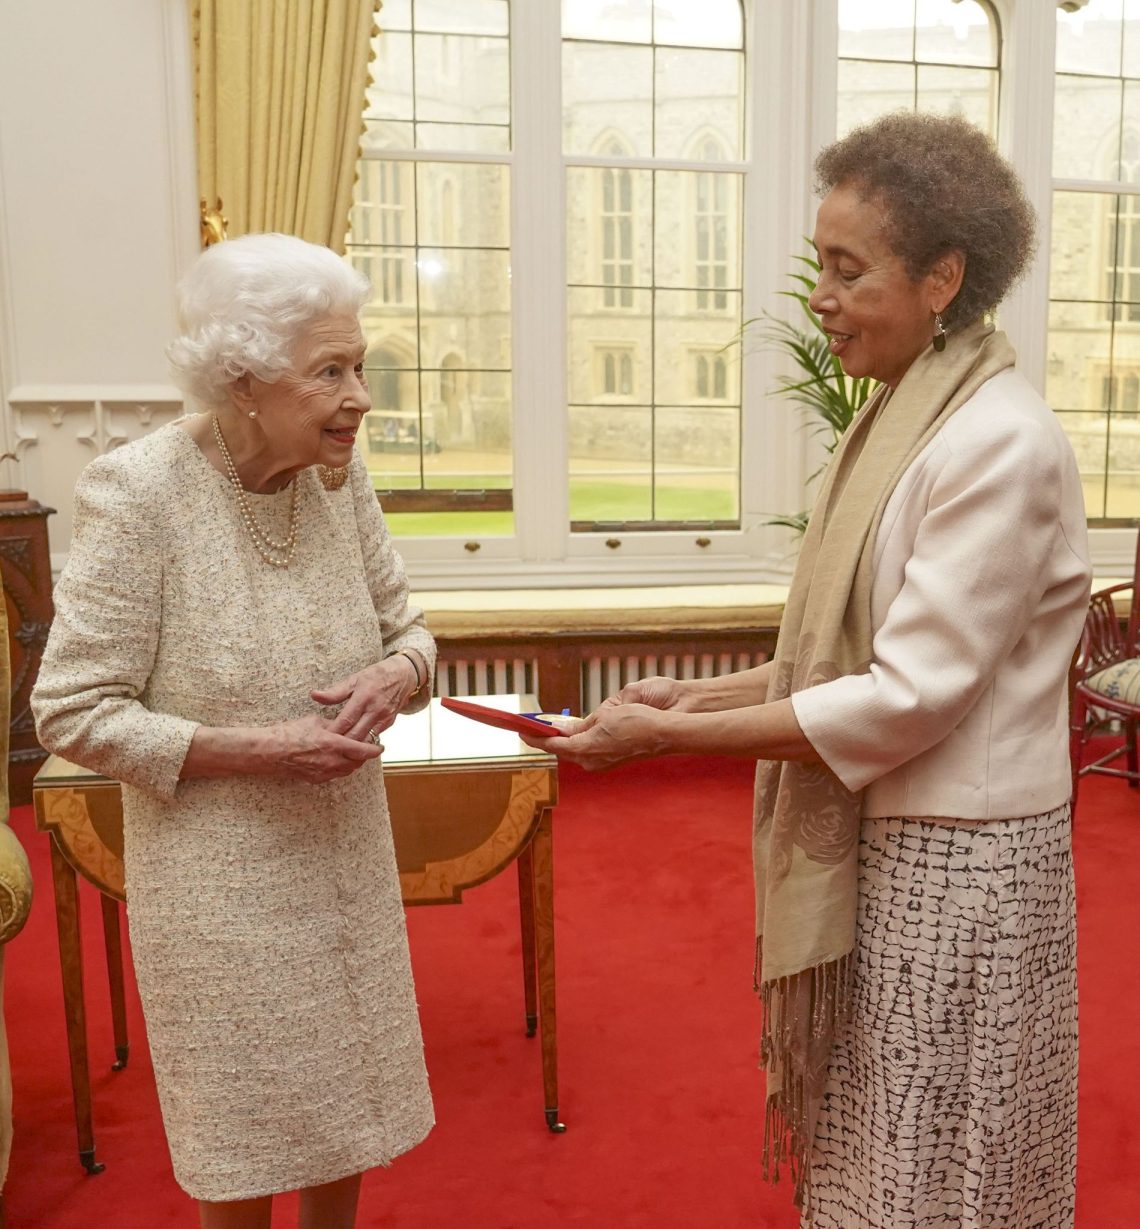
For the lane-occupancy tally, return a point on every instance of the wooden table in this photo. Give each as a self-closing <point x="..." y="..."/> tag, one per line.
<point x="466" y="800"/>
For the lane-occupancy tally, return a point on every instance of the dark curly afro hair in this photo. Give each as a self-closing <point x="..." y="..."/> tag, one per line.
<point x="943" y="186"/>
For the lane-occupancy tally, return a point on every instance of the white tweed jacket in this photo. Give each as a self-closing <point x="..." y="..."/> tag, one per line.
<point x="981" y="583"/>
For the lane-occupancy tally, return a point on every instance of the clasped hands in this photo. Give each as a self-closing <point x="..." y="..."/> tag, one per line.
<point x="317" y="748"/>
<point x="627" y="726"/>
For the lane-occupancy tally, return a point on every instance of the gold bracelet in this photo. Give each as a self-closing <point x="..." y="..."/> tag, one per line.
<point x="415" y="670"/>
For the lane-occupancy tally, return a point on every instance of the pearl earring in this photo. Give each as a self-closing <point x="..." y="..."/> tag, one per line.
<point x="253" y="413"/>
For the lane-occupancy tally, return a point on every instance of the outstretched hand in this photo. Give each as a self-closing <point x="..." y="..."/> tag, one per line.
<point x="613" y="734"/>
<point x="658" y="691"/>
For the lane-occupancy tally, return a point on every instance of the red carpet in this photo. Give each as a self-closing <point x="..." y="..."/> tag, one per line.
<point x="657" y="1035"/>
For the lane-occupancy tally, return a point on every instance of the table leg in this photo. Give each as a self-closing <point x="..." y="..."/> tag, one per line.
<point x="526" y="918"/>
<point x="542" y="851"/>
<point x="71" y="963"/>
<point x="113" y="944"/>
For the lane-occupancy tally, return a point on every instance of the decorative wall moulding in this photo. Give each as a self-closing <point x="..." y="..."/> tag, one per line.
<point x="99" y="417"/>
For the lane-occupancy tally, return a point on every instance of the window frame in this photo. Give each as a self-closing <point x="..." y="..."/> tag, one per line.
<point x="790" y="118"/>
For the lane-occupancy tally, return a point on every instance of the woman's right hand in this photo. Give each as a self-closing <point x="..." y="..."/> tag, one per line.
<point x="656" y="692"/>
<point x="304" y="749"/>
<point x="307" y="749"/>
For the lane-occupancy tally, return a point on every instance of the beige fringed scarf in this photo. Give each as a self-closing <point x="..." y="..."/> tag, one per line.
<point x="806" y="824"/>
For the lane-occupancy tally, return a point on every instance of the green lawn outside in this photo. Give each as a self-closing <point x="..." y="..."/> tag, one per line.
<point x="589" y="501"/>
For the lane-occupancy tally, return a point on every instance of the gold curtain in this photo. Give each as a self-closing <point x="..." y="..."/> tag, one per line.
<point x="279" y="88"/>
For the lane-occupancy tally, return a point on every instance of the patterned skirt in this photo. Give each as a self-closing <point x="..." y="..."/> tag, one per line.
<point x="952" y="1094"/>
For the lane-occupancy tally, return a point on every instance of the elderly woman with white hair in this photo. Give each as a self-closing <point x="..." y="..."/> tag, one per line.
<point x="232" y="636"/>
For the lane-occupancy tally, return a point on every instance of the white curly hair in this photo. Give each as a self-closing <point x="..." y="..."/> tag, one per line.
<point x="245" y="302"/>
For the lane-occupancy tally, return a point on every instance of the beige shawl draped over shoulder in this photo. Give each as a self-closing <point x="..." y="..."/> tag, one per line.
<point x="806" y="822"/>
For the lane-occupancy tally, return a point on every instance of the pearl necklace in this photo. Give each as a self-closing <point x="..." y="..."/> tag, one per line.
<point x="278" y="554"/>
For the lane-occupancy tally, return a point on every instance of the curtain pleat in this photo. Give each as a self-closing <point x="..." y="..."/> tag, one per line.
<point x="280" y="93"/>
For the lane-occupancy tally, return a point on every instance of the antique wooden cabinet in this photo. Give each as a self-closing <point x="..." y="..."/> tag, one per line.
<point x="26" y="567"/>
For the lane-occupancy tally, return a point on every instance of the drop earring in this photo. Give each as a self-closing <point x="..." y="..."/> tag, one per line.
<point x="939" y="333"/>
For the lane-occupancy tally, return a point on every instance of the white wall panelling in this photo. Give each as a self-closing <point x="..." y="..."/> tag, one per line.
<point x="55" y="432"/>
<point x="98" y="218"/>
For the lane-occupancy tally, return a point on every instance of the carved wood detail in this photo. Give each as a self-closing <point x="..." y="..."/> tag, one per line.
<point x="26" y="567"/>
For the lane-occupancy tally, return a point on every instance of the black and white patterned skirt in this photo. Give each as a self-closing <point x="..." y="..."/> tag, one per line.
<point x="952" y="1096"/>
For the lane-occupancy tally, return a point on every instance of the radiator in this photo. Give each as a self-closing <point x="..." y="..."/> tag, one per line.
<point x="486" y="677"/>
<point x="601" y="676"/>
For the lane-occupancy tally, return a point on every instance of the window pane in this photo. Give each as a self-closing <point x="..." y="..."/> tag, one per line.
<point x="392" y="429"/>
<point x="461" y="78"/>
<point x="471" y="420"/>
<point x="1130" y="134"/>
<point x="698" y="92"/>
<point x="607" y="90"/>
<point x="434" y="238"/>
<point x="1122" y="495"/>
<point x="1088" y="433"/>
<point x="937" y="56"/>
<point x="680" y="328"/>
<point x="593" y="335"/>
<point x="609" y="230"/>
<point x="391" y="311"/>
<point x="379" y="136"/>
<point x="697" y="463"/>
<point x="697" y="232"/>
<point x="867" y="90"/>
<point x="969" y="92"/>
<point x="382" y="204"/>
<point x="395" y="15"/>
<point x="470" y="17"/>
<point x="464" y="138"/>
<point x="880" y="31"/>
<point x="1088" y="148"/>
<point x="465" y="301"/>
<point x="628" y="22"/>
<point x="712" y="23"/>
<point x="654" y="262"/>
<point x="1089" y="41"/>
<point x="1131" y="39"/>
<point x="446" y="193"/>
<point x="611" y="473"/>
<point x="1125" y="368"/>
<point x="954" y="32"/>
<point x="389" y="96"/>
<point x="1082" y="261"/>
<point x="1080" y="361"/>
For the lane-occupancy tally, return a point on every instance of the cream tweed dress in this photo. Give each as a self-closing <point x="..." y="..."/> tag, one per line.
<point x="265" y="915"/>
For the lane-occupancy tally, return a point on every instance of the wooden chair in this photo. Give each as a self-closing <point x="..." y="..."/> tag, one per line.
<point x="1105" y="683"/>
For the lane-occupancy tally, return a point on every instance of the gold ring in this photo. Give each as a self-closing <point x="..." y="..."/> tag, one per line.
<point x="374" y="735"/>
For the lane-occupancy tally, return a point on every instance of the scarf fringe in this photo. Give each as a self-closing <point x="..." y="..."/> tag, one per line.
<point x="788" y="1116"/>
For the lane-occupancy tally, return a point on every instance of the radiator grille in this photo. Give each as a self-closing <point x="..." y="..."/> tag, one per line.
<point x="486" y="677"/>
<point x="605" y="676"/>
<point x="601" y="675"/>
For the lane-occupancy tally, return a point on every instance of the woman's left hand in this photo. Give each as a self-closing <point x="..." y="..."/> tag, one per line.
<point x="371" y="698"/>
<point x="611" y="735"/>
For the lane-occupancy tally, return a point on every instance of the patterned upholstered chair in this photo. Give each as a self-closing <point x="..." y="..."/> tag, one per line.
<point x="15" y="900"/>
<point x="1106" y="683"/>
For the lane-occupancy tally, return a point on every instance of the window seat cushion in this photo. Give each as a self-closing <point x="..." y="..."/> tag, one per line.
<point x="662" y="608"/>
